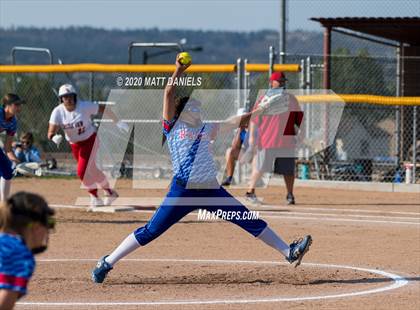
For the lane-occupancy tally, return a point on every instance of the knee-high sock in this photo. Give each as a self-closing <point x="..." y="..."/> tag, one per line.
<point x="4" y="189"/>
<point x="270" y="238"/>
<point x="128" y="245"/>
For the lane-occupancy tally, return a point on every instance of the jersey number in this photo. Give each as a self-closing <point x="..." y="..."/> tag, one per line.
<point x="81" y="130"/>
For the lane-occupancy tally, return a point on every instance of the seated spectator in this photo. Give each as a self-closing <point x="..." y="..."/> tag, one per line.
<point x="28" y="156"/>
<point x="25" y="151"/>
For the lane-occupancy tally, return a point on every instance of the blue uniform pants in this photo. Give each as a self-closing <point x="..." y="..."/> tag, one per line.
<point x="6" y="170"/>
<point x="174" y="208"/>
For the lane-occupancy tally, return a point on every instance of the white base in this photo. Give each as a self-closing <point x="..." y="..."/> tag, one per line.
<point x="111" y="209"/>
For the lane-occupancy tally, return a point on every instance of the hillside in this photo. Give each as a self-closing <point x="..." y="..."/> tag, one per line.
<point x="85" y="44"/>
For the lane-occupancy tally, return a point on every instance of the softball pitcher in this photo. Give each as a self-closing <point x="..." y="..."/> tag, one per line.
<point x="194" y="184"/>
<point x="8" y="123"/>
<point x="75" y="118"/>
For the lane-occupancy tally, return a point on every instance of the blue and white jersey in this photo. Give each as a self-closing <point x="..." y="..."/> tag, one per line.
<point x="31" y="155"/>
<point x="191" y="151"/>
<point x="17" y="263"/>
<point x="10" y="125"/>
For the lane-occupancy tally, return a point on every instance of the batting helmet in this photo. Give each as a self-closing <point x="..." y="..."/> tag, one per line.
<point x="66" y="89"/>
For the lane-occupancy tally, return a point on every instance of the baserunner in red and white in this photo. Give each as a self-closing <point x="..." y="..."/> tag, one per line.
<point x="75" y="118"/>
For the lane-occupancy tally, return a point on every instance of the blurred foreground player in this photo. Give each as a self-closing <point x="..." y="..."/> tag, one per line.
<point x="25" y="223"/>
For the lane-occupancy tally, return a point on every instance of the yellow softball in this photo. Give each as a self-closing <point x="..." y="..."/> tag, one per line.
<point x="184" y="58"/>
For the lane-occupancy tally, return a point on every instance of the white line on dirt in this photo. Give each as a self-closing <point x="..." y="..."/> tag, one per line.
<point x="59" y="206"/>
<point x="344" y="215"/>
<point x="398" y="282"/>
<point x="290" y="216"/>
<point x="295" y="216"/>
<point x="340" y="220"/>
<point x="348" y="210"/>
<point x="288" y="208"/>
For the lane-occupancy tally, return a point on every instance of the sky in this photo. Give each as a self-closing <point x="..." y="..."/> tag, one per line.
<point x="231" y="15"/>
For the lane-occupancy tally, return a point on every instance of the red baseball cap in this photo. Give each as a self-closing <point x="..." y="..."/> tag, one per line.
<point x="278" y="76"/>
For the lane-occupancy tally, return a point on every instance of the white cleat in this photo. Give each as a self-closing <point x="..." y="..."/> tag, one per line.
<point x="109" y="199"/>
<point x="95" y="202"/>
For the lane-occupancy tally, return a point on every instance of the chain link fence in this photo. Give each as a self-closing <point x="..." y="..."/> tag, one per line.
<point x="373" y="142"/>
<point x="40" y="92"/>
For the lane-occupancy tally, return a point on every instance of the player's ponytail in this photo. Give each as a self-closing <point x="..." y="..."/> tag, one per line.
<point x="4" y="217"/>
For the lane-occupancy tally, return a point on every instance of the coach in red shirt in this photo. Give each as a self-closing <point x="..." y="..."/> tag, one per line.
<point x="276" y="142"/>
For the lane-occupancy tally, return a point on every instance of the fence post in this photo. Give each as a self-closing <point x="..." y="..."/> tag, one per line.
<point x="308" y="72"/>
<point x="283" y="32"/>
<point x="397" y="110"/>
<point x="414" y="143"/>
<point x="240" y="72"/>
<point x="246" y="87"/>
<point x="302" y="74"/>
<point x="240" y="83"/>
<point x="271" y="59"/>
<point x="30" y="49"/>
<point x="91" y="87"/>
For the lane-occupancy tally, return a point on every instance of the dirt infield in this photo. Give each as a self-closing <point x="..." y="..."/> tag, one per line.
<point x="362" y="240"/>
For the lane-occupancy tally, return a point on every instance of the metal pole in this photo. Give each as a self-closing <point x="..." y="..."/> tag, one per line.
<point x="327" y="85"/>
<point x="271" y="59"/>
<point x="30" y="49"/>
<point x="302" y="74"/>
<point x="282" y="46"/>
<point x="308" y="87"/>
<point x="308" y="73"/>
<point x="306" y="76"/>
<point x="240" y="70"/>
<point x="305" y="108"/>
<point x="327" y="58"/>
<point x="91" y="86"/>
<point x="175" y="46"/>
<point x="246" y="87"/>
<point x="398" y="110"/>
<point x="240" y="82"/>
<point x="145" y="57"/>
<point x="414" y="143"/>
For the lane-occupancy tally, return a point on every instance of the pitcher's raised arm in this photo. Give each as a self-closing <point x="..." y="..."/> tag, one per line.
<point x="169" y="95"/>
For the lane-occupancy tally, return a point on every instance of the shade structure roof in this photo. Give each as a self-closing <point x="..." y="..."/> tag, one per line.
<point x="399" y="29"/>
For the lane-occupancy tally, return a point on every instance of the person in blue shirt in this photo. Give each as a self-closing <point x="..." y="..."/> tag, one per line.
<point x="194" y="185"/>
<point x="25" y="151"/>
<point x="12" y="105"/>
<point x="25" y="222"/>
